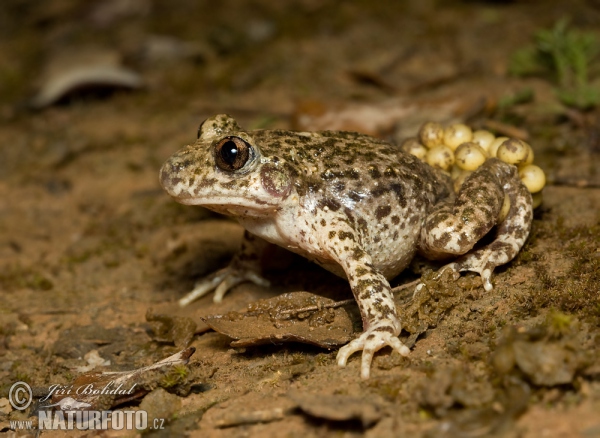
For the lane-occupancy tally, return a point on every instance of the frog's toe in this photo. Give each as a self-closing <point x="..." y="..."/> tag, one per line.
<point x="475" y="263"/>
<point x="232" y="280"/>
<point x="369" y="342"/>
<point x="221" y="282"/>
<point x="486" y="277"/>
<point x="453" y="268"/>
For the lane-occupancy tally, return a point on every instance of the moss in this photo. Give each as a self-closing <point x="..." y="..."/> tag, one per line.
<point x="323" y="359"/>
<point x="15" y="277"/>
<point x="577" y="290"/>
<point x="389" y="387"/>
<point x="22" y="377"/>
<point x="568" y="56"/>
<point x="526" y="255"/>
<point x="176" y="376"/>
<point x="558" y="323"/>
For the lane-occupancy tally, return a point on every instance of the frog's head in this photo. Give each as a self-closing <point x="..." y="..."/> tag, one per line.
<point x="226" y="171"/>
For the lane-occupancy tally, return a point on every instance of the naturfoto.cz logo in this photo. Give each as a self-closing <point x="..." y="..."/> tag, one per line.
<point x="73" y="414"/>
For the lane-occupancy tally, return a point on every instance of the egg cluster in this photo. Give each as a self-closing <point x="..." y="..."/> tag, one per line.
<point x="460" y="150"/>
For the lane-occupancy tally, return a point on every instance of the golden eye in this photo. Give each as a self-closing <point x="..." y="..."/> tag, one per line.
<point x="232" y="153"/>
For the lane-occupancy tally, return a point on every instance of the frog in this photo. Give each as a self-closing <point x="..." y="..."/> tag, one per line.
<point x="356" y="205"/>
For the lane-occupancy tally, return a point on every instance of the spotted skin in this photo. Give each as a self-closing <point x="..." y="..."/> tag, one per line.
<point x="355" y="205"/>
<point x="512" y="231"/>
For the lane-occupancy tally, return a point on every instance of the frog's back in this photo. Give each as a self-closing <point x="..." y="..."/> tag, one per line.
<point x="384" y="192"/>
<point x="336" y="159"/>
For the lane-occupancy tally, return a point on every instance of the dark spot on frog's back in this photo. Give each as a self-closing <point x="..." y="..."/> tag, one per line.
<point x="331" y="204"/>
<point x="338" y="186"/>
<point x="399" y="192"/>
<point x="382" y="211"/>
<point x="345" y="235"/>
<point x="374" y="172"/>
<point x="355" y="196"/>
<point x="352" y="174"/>
<point x="389" y="172"/>
<point x="291" y="170"/>
<point x="313" y="186"/>
<point x="379" y="191"/>
<point x="363" y="225"/>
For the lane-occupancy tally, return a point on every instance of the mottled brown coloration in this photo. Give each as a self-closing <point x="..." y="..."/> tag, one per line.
<point x="355" y="205"/>
<point x="382" y="211"/>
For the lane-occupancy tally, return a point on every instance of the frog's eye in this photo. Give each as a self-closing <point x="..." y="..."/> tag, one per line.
<point x="232" y="153"/>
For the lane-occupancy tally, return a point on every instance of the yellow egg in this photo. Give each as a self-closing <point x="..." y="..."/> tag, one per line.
<point x="440" y="156"/>
<point x="483" y="138"/>
<point x="493" y="149"/>
<point x="455" y="172"/>
<point x="413" y="147"/>
<point x="533" y="177"/>
<point x="469" y="156"/>
<point x="457" y="134"/>
<point x="460" y="179"/>
<point x="514" y="151"/>
<point x="537" y="199"/>
<point x="505" y="209"/>
<point x="529" y="159"/>
<point x="431" y="134"/>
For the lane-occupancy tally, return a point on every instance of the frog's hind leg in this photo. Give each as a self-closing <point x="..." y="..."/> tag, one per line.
<point x="455" y="229"/>
<point x="510" y="237"/>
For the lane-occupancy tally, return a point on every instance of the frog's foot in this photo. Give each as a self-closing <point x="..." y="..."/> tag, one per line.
<point x="221" y="282"/>
<point x="372" y="340"/>
<point x="469" y="264"/>
<point x="485" y="260"/>
<point x="481" y="199"/>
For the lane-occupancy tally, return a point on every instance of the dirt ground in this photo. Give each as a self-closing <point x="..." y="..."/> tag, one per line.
<point x="94" y="255"/>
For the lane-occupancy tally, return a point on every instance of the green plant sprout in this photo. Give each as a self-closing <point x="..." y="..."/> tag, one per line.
<point x="570" y="56"/>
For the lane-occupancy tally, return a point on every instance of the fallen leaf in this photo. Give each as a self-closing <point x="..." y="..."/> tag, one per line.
<point x="290" y="317"/>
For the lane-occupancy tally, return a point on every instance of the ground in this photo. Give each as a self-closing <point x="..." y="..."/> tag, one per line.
<point x="92" y="249"/>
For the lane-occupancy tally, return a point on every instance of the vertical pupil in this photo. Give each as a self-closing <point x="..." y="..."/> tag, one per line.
<point x="230" y="152"/>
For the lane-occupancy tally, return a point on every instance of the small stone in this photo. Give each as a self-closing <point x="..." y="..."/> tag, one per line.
<point x="160" y="404"/>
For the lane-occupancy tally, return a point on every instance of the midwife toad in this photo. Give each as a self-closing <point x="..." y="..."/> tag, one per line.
<point x="355" y="205"/>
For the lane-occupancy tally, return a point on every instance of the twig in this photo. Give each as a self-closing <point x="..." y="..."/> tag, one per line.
<point x="508" y="130"/>
<point x="406" y="285"/>
<point x="579" y="183"/>
<point x="336" y="304"/>
<point x="318" y="307"/>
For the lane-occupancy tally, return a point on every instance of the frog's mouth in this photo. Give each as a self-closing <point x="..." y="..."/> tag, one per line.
<point x="232" y="206"/>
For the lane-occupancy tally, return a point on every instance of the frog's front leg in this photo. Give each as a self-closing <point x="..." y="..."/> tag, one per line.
<point x="245" y="266"/>
<point x="454" y="228"/>
<point x="373" y="295"/>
